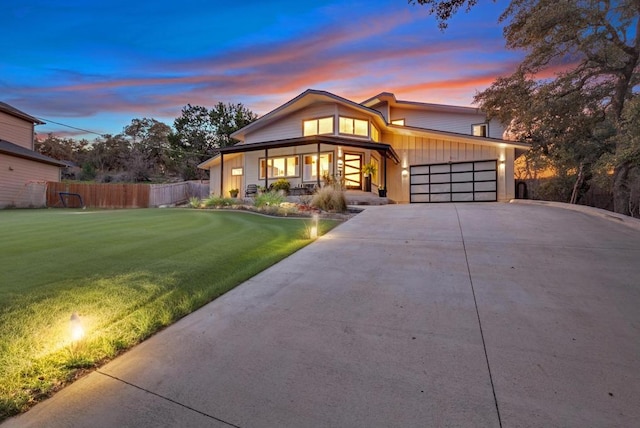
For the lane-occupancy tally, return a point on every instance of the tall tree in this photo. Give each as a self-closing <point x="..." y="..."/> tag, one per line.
<point x="596" y="44"/>
<point x="200" y="132"/>
<point x="150" y="148"/>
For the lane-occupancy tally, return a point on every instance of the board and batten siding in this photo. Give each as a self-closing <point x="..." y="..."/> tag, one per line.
<point x="235" y="160"/>
<point x="17" y="131"/>
<point x="290" y="126"/>
<point x="22" y="181"/>
<point x="442" y="121"/>
<point x="422" y="151"/>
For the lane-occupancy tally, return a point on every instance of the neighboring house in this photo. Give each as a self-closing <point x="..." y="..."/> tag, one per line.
<point x="423" y="152"/>
<point x="23" y="171"/>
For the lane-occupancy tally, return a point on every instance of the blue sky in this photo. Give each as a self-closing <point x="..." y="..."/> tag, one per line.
<point x="96" y="65"/>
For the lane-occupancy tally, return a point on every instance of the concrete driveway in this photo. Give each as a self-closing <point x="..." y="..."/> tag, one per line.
<point x="464" y="315"/>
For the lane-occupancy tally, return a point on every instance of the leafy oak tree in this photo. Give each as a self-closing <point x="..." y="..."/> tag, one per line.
<point x="581" y="115"/>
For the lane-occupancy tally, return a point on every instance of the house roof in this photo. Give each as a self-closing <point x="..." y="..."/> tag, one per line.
<point x="390" y="98"/>
<point x="15" y="150"/>
<point x="308" y="97"/>
<point x="6" y="108"/>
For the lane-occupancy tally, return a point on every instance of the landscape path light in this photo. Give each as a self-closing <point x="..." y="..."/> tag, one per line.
<point x="77" y="330"/>
<point x="314" y="227"/>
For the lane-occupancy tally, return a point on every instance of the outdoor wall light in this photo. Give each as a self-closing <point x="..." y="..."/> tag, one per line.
<point x="77" y="331"/>
<point x="405" y="172"/>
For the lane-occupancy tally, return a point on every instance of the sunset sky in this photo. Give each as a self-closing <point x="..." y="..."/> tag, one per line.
<point x="96" y="65"/>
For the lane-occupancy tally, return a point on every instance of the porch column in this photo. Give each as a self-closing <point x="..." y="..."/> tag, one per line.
<point x="385" y="170"/>
<point x="266" y="169"/>
<point x="221" y="174"/>
<point x="318" y="166"/>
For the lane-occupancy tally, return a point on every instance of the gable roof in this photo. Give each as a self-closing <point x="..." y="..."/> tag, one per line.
<point x="391" y="99"/>
<point x="308" y="97"/>
<point x="6" y="108"/>
<point x="15" y="150"/>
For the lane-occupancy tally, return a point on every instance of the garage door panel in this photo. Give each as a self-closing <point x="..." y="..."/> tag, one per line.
<point x="485" y="165"/>
<point x="483" y="186"/>
<point x="419" y="198"/>
<point x="420" y="188"/>
<point x="454" y="182"/>
<point x="462" y="187"/>
<point x="440" y="197"/>
<point x="440" y="188"/>
<point x="441" y="178"/>
<point x="484" y="175"/>
<point x="462" y="176"/>
<point x="420" y="179"/>
<point x="420" y="169"/>
<point x="441" y="168"/>
<point x="462" y="197"/>
<point x="462" y="167"/>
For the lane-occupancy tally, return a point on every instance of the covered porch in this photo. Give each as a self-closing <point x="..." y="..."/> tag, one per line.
<point x="306" y="162"/>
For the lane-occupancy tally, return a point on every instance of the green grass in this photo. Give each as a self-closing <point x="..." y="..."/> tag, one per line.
<point x="127" y="273"/>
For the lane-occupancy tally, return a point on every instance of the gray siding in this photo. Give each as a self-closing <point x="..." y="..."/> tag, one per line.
<point x="291" y="126"/>
<point x="444" y="121"/>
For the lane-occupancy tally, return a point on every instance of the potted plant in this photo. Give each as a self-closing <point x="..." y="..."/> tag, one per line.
<point x="281" y="185"/>
<point x="368" y="169"/>
<point x="382" y="192"/>
<point x="234" y="193"/>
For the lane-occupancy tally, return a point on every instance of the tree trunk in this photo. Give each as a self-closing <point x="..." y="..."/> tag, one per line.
<point x="578" y="184"/>
<point x="621" y="191"/>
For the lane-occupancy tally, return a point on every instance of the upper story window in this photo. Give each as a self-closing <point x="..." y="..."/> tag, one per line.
<point x="352" y="126"/>
<point x="375" y="134"/>
<point x="480" y="130"/>
<point x="398" y="122"/>
<point x="318" y="126"/>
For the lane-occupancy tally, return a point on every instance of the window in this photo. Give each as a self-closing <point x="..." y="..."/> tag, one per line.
<point x="280" y="167"/>
<point x="236" y="171"/>
<point x="354" y="126"/>
<point x="311" y="166"/>
<point x="375" y="134"/>
<point x="480" y="130"/>
<point x="317" y="126"/>
<point x="398" y="122"/>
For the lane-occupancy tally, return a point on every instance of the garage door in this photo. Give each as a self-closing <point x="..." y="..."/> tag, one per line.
<point x="454" y="182"/>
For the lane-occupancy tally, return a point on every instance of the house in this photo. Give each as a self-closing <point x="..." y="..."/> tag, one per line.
<point x="23" y="172"/>
<point x="421" y="152"/>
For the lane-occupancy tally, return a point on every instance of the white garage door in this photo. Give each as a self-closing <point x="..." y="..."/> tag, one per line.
<point x="454" y="182"/>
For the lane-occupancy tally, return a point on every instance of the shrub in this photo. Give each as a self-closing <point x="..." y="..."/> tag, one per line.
<point x="330" y="198"/>
<point x="194" y="202"/>
<point x="217" y="202"/>
<point x="281" y="184"/>
<point x="268" y="199"/>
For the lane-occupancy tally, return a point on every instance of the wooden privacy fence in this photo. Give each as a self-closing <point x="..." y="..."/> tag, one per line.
<point x="176" y="193"/>
<point x="119" y="195"/>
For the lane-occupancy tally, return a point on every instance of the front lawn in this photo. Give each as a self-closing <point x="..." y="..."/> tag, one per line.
<point x="126" y="273"/>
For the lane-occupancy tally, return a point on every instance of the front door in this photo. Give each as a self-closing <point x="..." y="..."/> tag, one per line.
<point x="353" y="171"/>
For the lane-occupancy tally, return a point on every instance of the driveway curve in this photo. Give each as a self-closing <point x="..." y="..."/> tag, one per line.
<point x="462" y="315"/>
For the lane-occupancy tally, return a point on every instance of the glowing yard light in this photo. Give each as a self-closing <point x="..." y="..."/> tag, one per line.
<point x="77" y="331"/>
<point x="314" y="227"/>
